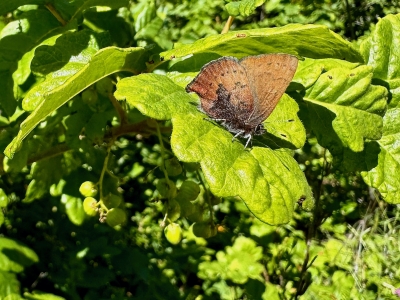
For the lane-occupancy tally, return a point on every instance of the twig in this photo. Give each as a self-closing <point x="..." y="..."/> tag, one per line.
<point x="55" y="13"/>
<point x="227" y="25"/>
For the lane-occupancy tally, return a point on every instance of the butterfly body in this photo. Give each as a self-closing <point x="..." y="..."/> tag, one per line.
<point x="241" y="94"/>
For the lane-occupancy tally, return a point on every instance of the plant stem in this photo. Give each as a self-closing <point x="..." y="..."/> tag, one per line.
<point x="121" y="112"/>
<point x="227" y="25"/>
<point x="103" y="171"/>
<point x="162" y="153"/>
<point x="55" y="13"/>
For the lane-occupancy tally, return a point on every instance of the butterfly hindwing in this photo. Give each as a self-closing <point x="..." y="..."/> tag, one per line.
<point x="269" y="76"/>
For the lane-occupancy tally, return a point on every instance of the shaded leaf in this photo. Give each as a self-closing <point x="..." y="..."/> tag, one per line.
<point x="10" y="5"/>
<point x="15" y="256"/>
<point x="44" y="174"/>
<point x="17" y="38"/>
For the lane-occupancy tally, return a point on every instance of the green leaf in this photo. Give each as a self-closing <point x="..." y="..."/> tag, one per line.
<point x="143" y="13"/>
<point x="343" y="108"/>
<point x="17" y="38"/>
<point x="3" y="198"/>
<point x="82" y="5"/>
<point x="73" y="208"/>
<point x="15" y="256"/>
<point x="256" y="175"/>
<point x="9" y="286"/>
<point x="244" y="8"/>
<point x="38" y="295"/>
<point x="1" y="217"/>
<point x="18" y="162"/>
<point x="312" y="41"/>
<point x="44" y="174"/>
<point x="10" y="5"/>
<point x="382" y="53"/>
<point x="80" y="70"/>
<point x="238" y="263"/>
<point x="271" y="292"/>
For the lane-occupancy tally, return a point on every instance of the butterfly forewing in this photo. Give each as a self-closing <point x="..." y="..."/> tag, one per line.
<point x="224" y="89"/>
<point x="269" y="75"/>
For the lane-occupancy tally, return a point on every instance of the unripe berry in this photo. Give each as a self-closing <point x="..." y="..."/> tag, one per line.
<point x="88" y="189"/>
<point x="89" y="206"/>
<point x="166" y="189"/>
<point x="115" y="216"/>
<point x="112" y="201"/>
<point x="204" y="230"/>
<point x="173" y="233"/>
<point x="173" y="167"/>
<point x="189" y="190"/>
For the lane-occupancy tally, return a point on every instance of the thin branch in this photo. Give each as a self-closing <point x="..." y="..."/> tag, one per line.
<point x="120" y="111"/>
<point x="227" y="25"/>
<point x="55" y="13"/>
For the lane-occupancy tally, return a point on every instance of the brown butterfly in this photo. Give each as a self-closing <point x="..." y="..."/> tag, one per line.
<point x="241" y="94"/>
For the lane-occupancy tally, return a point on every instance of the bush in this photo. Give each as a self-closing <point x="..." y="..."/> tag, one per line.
<point x="113" y="184"/>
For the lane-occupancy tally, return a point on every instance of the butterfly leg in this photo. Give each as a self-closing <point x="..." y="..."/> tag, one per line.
<point x="236" y="135"/>
<point x="248" y="141"/>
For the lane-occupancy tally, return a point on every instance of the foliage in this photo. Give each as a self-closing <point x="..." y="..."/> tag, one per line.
<point x="114" y="186"/>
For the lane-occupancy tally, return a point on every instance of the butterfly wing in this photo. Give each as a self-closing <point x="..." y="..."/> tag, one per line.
<point x="269" y="76"/>
<point x="224" y="90"/>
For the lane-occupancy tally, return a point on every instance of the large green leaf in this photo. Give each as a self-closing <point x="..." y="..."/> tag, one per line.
<point x="303" y="40"/>
<point x="72" y="65"/>
<point x="382" y="53"/>
<point x="341" y="105"/>
<point x="269" y="181"/>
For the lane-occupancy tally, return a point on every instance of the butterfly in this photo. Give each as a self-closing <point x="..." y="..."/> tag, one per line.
<point x="241" y="94"/>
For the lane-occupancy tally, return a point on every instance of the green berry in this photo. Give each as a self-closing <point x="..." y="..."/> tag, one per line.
<point x="167" y="189"/>
<point x="192" y="167"/>
<point x="204" y="230"/>
<point x="105" y="86"/>
<point x="88" y="189"/>
<point x="189" y="190"/>
<point x="89" y="206"/>
<point x="112" y="201"/>
<point x="215" y="200"/>
<point x="174" y="210"/>
<point x="89" y="96"/>
<point x="115" y="216"/>
<point x="197" y="215"/>
<point x="187" y="207"/>
<point x="173" y="233"/>
<point x="173" y="167"/>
